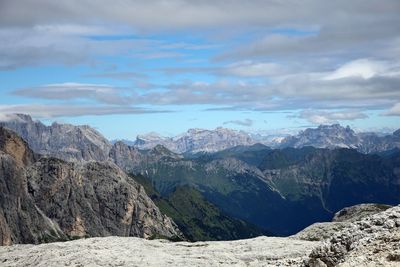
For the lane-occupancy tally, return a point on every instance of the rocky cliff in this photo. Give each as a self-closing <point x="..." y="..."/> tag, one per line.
<point x="49" y="199"/>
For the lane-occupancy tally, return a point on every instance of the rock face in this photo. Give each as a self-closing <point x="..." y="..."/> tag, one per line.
<point x="197" y="140"/>
<point x="21" y="221"/>
<point x="63" y="141"/>
<point x="371" y="241"/>
<point x="95" y="199"/>
<point x="128" y="251"/>
<point x="49" y="199"/>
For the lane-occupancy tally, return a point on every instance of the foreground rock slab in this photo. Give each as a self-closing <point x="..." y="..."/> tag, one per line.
<point x="371" y="241"/>
<point x="131" y="251"/>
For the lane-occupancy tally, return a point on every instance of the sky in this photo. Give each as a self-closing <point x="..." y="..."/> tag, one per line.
<point x="130" y="67"/>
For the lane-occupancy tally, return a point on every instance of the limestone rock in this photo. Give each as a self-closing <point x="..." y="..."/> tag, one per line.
<point x="320" y="231"/>
<point x="129" y="251"/>
<point x="372" y="241"/>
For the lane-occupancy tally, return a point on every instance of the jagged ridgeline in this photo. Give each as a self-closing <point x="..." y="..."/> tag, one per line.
<point x="278" y="190"/>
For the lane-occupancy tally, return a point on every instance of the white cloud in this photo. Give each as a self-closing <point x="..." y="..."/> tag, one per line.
<point x="393" y="111"/>
<point x="253" y="69"/>
<point x="298" y="53"/>
<point x="34" y="46"/>
<point x="328" y="117"/>
<point x="363" y="68"/>
<point x="71" y="91"/>
<point x="52" y="111"/>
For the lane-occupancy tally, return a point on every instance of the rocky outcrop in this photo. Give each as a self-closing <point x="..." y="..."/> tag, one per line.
<point x="357" y="212"/>
<point x="372" y="241"/>
<point x="341" y="220"/>
<point x="95" y="199"/>
<point x="50" y="199"/>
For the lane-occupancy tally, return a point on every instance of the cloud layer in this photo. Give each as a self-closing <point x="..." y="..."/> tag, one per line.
<point x="327" y="61"/>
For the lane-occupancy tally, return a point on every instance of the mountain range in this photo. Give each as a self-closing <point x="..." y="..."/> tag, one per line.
<point x="336" y="136"/>
<point x="196" y="140"/>
<point x="82" y="142"/>
<point x="324" y="136"/>
<point x="306" y="178"/>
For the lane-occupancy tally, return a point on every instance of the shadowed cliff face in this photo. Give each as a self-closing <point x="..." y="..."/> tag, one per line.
<point x="20" y="219"/>
<point x="49" y="199"/>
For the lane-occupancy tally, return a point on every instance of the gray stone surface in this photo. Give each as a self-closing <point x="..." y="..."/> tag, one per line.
<point x="128" y="251"/>
<point x="372" y="241"/>
<point x="320" y="231"/>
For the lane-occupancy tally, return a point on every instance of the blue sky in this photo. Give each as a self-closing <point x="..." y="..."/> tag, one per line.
<point x="166" y="66"/>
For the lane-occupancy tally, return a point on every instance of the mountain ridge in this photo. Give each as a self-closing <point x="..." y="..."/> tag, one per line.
<point x="82" y="142"/>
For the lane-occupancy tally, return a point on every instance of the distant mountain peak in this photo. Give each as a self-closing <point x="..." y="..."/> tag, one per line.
<point x="335" y="135"/>
<point x="197" y="140"/>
